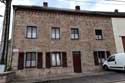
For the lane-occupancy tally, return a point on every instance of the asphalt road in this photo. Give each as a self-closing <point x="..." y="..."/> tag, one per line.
<point x="115" y="77"/>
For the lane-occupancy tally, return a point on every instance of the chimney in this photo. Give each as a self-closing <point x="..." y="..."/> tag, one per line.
<point x="77" y="7"/>
<point x="45" y="4"/>
<point x="116" y="10"/>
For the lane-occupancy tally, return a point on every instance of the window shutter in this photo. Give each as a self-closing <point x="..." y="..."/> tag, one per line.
<point x="40" y="60"/>
<point x="21" y="61"/>
<point x="48" y="60"/>
<point x="108" y="53"/>
<point x="64" y="59"/>
<point x="96" y="58"/>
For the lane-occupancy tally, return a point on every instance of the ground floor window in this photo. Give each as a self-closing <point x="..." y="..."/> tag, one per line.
<point x="100" y="57"/>
<point x="30" y="60"/>
<point x="56" y="59"/>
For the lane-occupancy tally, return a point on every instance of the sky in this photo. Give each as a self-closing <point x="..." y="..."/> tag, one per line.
<point x="92" y="5"/>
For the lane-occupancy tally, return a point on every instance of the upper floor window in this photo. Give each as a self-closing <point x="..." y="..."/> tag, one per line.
<point x="98" y="34"/>
<point x="31" y="32"/>
<point x="55" y="33"/>
<point x="74" y="33"/>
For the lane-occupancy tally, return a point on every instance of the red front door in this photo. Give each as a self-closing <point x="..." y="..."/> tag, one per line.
<point x="77" y="61"/>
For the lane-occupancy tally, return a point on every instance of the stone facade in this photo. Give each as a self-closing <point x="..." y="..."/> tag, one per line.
<point x="7" y="77"/>
<point x="44" y="20"/>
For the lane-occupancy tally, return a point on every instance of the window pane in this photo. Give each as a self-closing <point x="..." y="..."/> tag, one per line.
<point x="53" y="59"/>
<point x="97" y="37"/>
<point x="111" y="59"/>
<point x="98" y="32"/>
<point x="57" y="35"/>
<point x="57" y="31"/>
<point x="58" y="59"/>
<point x="29" y="32"/>
<point x="53" y="33"/>
<point x="34" y="32"/>
<point x="72" y="36"/>
<point x="33" y="59"/>
<point x="33" y="63"/>
<point x="74" y="33"/>
<point x="27" y="63"/>
<point x="100" y="36"/>
<point x="28" y="57"/>
<point x="33" y="56"/>
<point x="76" y="36"/>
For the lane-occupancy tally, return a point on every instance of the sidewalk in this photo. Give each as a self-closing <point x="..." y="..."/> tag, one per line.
<point x="60" y="77"/>
<point x="120" y="82"/>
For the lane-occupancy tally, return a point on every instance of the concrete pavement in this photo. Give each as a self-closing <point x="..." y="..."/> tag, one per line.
<point x="116" y="77"/>
<point x="102" y="77"/>
<point x="120" y="82"/>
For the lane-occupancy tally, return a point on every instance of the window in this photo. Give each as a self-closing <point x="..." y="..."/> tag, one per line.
<point x="74" y="33"/>
<point x="112" y="58"/>
<point x="99" y="35"/>
<point x="31" y="32"/>
<point x="30" y="60"/>
<point x="100" y="57"/>
<point x="55" y="33"/>
<point x="56" y="59"/>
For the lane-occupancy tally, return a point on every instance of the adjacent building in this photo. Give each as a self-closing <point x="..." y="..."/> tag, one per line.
<point x="52" y="41"/>
<point x="119" y="33"/>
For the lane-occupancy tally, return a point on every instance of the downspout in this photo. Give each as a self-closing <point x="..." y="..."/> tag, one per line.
<point x="12" y="36"/>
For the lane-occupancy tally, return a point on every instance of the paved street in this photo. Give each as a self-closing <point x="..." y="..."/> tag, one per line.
<point x="116" y="77"/>
<point x="120" y="82"/>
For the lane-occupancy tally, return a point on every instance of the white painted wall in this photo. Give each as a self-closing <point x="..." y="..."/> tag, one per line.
<point x="119" y="30"/>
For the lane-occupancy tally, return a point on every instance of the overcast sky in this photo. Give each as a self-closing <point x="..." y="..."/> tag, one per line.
<point x="93" y="5"/>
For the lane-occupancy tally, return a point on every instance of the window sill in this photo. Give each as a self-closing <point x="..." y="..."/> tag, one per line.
<point x="56" y="67"/>
<point x="31" y="38"/>
<point x="99" y="39"/>
<point x="30" y="67"/>
<point x="75" y="39"/>
<point x="55" y="39"/>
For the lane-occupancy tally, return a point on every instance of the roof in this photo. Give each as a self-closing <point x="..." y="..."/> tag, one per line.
<point x="95" y="13"/>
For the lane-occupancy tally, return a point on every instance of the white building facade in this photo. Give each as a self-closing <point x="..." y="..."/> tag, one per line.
<point x="119" y="33"/>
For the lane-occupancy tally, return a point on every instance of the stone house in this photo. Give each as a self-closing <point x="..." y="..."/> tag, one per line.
<point x="52" y="41"/>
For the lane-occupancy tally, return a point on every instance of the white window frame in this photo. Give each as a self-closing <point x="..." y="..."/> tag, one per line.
<point x="32" y="34"/>
<point x="55" y="33"/>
